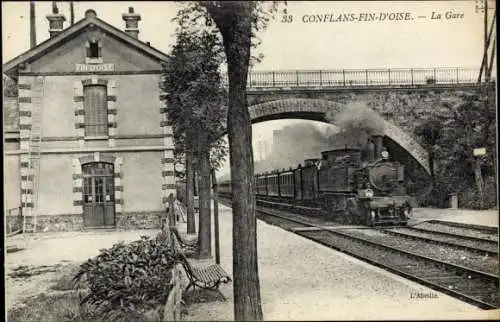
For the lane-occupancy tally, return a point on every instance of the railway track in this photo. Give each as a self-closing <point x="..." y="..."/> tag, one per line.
<point x="469" y="285"/>
<point x="467" y="226"/>
<point x="480" y="246"/>
<point x="466" y="231"/>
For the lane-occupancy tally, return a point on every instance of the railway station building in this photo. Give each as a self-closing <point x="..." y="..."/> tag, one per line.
<point x="89" y="145"/>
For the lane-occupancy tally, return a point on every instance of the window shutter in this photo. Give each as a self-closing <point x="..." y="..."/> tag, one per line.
<point x="96" y="110"/>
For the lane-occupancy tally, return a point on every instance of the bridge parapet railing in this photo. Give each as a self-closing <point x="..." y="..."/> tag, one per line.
<point x="362" y="77"/>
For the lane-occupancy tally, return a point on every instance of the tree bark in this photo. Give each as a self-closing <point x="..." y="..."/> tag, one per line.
<point x="191" y="225"/>
<point x="479" y="181"/>
<point x="235" y="26"/>
<point x="171" y="210"/>
<point x="204" y="229"/>
<point x="216" y="217"/>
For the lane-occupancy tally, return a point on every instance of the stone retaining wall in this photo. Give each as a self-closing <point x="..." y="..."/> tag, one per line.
<point x="71" y="222"/>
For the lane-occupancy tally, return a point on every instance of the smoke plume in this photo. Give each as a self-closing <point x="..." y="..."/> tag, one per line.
<point x="357" y="122"/>
<point x="295" y="144"/>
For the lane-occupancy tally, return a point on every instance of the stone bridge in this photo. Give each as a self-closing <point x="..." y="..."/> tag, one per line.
<point x="318" y="109"/>
<point x="402" y="108"/>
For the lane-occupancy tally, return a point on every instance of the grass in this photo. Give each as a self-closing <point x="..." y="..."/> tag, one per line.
<point x="65" y="282"/>
<point x="14" y="249"/>
<point x="43" y="307"/>
<point x="64" y="304"/>
<point x="24" y="271"/>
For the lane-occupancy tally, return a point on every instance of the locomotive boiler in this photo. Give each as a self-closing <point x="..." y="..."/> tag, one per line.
<point x="349" y="185"/>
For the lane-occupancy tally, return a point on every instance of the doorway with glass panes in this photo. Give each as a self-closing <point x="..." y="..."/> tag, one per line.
<point x="98" y="195"/>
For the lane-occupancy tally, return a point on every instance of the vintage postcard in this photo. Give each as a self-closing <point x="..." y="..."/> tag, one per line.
<point x="372" y="165"/>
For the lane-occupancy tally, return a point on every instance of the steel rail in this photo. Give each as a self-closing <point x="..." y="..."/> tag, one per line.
<point x="460" y="272"/>
<point x="445" y="233"/>
<point x="482" y="228"/>
<point x="489" y="252"/>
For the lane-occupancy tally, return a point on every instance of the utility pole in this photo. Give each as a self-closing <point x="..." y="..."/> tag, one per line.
<point x="72" y="13"/>
<point x="486" y="66"/>
<point x="32" y="25"/>
<point x="486" y="78"/>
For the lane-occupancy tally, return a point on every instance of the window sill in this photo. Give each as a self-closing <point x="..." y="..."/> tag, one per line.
<point x="89" y="60"/>
<point x="101" y="137"/>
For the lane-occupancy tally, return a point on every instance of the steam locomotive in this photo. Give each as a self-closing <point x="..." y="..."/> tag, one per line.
<point x="351" y="186"/>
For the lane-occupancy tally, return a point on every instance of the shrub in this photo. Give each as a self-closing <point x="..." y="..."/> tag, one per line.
<point x="128" y="279"/>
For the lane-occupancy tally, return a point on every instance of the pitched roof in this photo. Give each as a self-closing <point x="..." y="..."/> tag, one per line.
<point x="10" y="67"/>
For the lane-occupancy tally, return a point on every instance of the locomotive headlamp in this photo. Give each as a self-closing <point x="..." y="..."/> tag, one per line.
<point x="369" y="193"/>
<point x="385" y="154"/>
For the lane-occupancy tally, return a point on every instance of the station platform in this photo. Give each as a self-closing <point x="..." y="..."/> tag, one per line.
<point x="303" y="280"/>
<point x="465" y="216"/>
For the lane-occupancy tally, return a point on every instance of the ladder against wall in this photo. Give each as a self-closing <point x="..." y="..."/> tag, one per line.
<point x="35" y="139"/>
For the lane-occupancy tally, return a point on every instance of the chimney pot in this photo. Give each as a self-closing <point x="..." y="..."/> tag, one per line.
<point x="132" y="22"/>
<point x="56" y="22"/>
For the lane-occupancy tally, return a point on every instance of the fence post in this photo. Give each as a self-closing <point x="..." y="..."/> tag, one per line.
<point x="273" y="79"/>
<point x="457" y="76"/>
<point x="297" y="76"/>
<point x="320" y="78"/>
<point x="389" y="71"/>
<point x="343" y="75"/>
<point x="411" y="73"/>
<point x="366" y="76"/>
<point x="435" y="79"/>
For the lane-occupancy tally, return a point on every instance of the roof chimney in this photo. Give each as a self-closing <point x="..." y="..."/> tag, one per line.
<point x="56" y="21"/>
<point x="132" y="22"/>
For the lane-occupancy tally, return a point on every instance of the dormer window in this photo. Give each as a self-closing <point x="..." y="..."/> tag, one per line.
<point x="93" y="52"/>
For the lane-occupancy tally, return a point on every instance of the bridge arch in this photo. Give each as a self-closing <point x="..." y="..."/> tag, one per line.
<point x="316" y="109"/>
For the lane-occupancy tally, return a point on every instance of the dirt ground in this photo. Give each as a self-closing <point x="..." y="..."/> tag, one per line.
<point x="338" y="289"/>
<point x="53" y="254"/>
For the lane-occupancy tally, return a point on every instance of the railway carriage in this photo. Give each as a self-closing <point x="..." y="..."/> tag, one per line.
<point x="349" y="185"/>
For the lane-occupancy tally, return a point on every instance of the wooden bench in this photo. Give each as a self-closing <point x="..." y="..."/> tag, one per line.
<point x="204" y="277"/>
<point x="188" y="247"/>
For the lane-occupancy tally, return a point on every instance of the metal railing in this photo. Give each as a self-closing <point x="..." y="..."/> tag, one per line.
<point x="397" y="77"/>
<point x="13" y="221"/>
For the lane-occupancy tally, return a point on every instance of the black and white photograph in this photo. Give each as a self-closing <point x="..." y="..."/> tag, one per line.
<point x="250" y="160"/>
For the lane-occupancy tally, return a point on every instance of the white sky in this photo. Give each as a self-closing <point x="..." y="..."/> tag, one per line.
<point x="421" y="42"/>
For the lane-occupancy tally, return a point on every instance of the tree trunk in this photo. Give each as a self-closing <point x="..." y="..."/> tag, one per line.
<point x="191" y="224"/>
<point x="216" y="217"/>
<point x="204" y="229"/>
<point x="236" y="28"/>
<point x="479" y="181"/>
<point x="171" y="210"/>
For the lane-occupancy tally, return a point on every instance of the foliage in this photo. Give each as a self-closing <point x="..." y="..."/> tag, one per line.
<point x="196" y="98"/>
<point x="196" y="15"/>
<point x="128" y="279"/>
<point x="430" y="131"/>
<point x="452" y="140"/>
<point x="9" y="87"/>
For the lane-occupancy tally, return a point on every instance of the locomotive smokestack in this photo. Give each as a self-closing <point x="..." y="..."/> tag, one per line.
<point x="378" y="141"/>
<point x="370" y="149"/>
